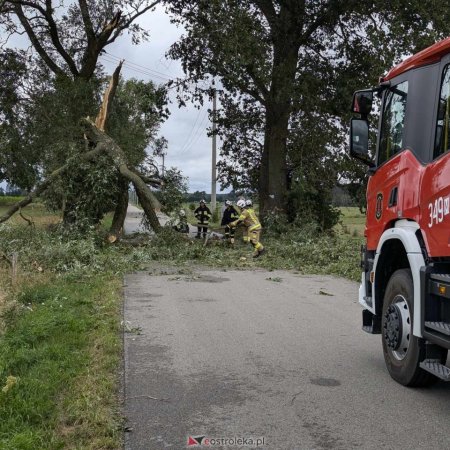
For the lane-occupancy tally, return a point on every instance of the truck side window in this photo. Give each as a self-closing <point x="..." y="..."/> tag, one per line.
<point x="441" y="143"/>
<point x="392" y="124"/>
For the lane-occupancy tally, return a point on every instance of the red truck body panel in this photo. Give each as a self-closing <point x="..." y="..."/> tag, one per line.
<point x="404" y="172"/>
<point x="434" y="206"/>
<point x="428" y="56"/>
<point x="423" y="196"/>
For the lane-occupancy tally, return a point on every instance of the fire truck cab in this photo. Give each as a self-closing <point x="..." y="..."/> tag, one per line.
<point x="405" y="285"/>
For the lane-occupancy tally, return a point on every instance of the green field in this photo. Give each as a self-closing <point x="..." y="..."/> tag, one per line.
<point x="352" y="221"/>
<point x="39" y="215"/>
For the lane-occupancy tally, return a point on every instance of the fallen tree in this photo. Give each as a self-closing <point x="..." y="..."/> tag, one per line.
<point x="101" y="143"/>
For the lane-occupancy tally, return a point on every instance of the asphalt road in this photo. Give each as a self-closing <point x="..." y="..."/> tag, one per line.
<point x="271" y="355"/>
<point x="133" y="221"/>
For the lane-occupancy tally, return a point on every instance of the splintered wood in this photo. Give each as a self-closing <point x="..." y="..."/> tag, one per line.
<point x="100" y="121"/>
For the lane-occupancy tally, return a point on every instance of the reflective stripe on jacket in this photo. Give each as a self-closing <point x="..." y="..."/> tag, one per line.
<point x="202" y="214"/>
<point x="250" y="219"/>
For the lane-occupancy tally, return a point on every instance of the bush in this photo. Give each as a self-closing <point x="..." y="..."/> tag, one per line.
<point x="310" y="205"/>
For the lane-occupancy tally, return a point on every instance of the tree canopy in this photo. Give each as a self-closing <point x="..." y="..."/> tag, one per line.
<point x="285" y="71"/>
<point x="69" y="36"/>
<point x="288" y="68"/>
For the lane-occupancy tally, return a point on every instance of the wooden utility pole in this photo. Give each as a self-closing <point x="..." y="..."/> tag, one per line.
<point x="214" y="155"/>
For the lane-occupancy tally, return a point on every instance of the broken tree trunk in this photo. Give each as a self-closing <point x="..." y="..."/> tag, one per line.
<point x="103" y="114"/>
<point x="122" y="199"/>
<point x="120" y="212"/>
<point x="146" y="197"/>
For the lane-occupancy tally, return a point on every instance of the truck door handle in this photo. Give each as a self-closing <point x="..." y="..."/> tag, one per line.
<point x="393" y="197"/>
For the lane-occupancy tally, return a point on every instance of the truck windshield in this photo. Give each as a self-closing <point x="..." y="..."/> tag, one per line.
<point x="393" y="120"/>
<point x="442" y="144"/>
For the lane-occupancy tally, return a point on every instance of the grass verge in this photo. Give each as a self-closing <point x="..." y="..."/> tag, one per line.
<point x="58" y="366"/>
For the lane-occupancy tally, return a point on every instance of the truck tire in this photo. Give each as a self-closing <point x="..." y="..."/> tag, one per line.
<point x="402" y="351"/>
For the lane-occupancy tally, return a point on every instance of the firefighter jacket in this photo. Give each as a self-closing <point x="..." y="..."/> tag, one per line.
<point x="203" y="214"/>
<point x="229" y="215"/>
<point x="249" y="218"/>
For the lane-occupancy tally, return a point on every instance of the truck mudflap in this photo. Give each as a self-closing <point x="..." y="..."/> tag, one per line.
<point x="371" y="322"/>
<point x="364" y="300"/>
<point x="365" y="288"/>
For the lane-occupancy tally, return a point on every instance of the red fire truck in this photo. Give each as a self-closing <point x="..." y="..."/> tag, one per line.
<point x="405" y="285"/>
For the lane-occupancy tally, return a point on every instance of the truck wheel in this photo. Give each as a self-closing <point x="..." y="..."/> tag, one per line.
<point x="403" y="352"/>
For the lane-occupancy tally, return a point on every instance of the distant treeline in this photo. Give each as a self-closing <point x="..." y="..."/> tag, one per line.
<point x="11" y="191"/>
<point x="199" y="195"/>
<point x="340" y="196"/>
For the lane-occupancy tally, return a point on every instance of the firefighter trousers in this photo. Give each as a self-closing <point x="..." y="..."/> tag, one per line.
<point x="202" y="227"/>
<point x="253" y="237"/>
<point x="229" y="232"/>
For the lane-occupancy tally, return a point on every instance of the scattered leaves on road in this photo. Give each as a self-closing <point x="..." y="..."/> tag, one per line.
<point x="276" y="279"/>
<point x="325" y="293"/>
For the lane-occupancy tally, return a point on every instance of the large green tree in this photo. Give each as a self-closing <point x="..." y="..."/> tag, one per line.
<point x="16" y="165"/>
<point x="70" y="36"/>
<point x="62" y="83"/>
<point x="286" y="57"/>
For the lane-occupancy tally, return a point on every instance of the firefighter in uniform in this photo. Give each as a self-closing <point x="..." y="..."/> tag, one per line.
<point x="203" y="214"/>
<point x="245" y="238"/>
<point x="250" y="220"/>
<point x="182" y="225"/>
<point x="229" y="215"/>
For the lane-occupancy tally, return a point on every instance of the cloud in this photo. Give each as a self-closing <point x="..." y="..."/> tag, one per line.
<point x="189" y="147"/>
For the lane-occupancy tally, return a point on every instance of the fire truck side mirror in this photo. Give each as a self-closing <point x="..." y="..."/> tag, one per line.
<point x="362" y="102"/>
<point x="359" y="141"/>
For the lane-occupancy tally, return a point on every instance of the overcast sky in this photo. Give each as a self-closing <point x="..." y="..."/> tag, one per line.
<point x="189" y="147"/>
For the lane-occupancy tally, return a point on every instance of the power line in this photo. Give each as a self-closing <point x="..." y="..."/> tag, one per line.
<point x="197" y="133"/>
<point x="194" y="136"/>
<point x="200" y="130"/>
<point x="127" y="66"/>
<point x="139" y="66"/>
<point x="145" y="70"/>
<point x="190" y="133"/>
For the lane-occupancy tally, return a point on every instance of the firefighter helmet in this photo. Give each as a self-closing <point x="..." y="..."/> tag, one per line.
<point x="241" y="203"/>
<point x="202" y="201"/>
<point x="228" y="203"/>
<point x="248" y="202"/>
